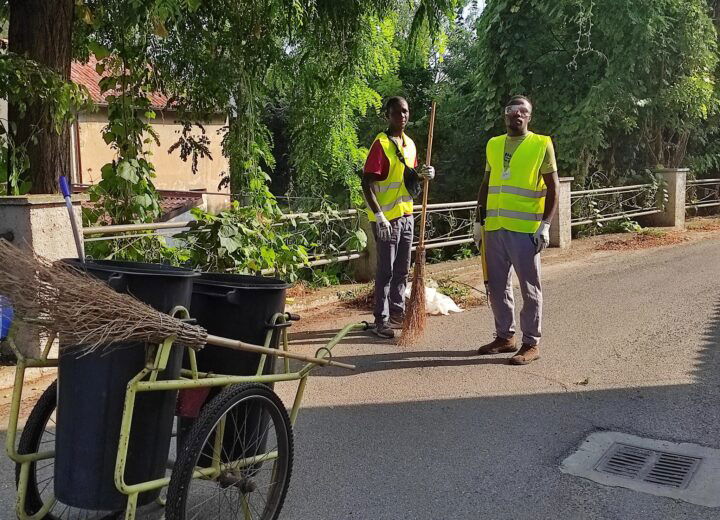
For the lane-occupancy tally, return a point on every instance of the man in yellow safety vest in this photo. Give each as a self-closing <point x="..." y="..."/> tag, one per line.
<point x="516" y="203"/>
<point x="389" y="169"/>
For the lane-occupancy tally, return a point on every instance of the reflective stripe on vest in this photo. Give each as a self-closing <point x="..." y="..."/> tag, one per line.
<point x="518" y="191"/>
<point x="377" y="188"/>
<point x="392" y="196"/>
<point x="519" y="215"/>
<point x="516" y="202"/>
<point x="389" y="207"/>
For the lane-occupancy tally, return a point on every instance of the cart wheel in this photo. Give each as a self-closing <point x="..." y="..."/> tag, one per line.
<point x="39" y="435"/>
<point x="243" y="422"/>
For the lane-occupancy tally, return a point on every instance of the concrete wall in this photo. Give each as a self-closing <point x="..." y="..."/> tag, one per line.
<point x="172" y="172"/>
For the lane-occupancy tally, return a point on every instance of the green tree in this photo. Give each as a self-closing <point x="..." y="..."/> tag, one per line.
<point x="621" y="85"/>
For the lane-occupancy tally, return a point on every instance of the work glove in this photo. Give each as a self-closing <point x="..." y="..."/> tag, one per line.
<point x="478" y="233"/>
<point x="383" y="227"/>
<point x="542" y="236"/>
<point x="426" y="172"/>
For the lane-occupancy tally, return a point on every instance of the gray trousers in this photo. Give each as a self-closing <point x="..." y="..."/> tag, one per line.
<point x="508" y="251"/>
<point x="393" y="264"/>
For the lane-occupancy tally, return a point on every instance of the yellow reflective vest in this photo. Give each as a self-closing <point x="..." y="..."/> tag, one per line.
<point x="391" y="194"/>
<point x="516" y="196"/>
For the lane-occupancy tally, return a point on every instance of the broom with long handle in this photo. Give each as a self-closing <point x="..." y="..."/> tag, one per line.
<point x="415" y="313"/>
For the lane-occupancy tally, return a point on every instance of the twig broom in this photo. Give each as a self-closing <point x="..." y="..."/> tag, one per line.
<point x="415" y="313"/>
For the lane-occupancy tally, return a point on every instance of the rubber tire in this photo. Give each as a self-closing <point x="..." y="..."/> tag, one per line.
<point x="196" y="439"/>
<point x="30" y="441"/>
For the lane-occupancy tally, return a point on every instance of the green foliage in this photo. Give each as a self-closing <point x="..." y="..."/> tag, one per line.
<point x="621" y="85"/>
<point x="27" y="82"/>
<point x="120" y="43"/>
<point x="243" y="239"/>
<point x="146" y="248"/>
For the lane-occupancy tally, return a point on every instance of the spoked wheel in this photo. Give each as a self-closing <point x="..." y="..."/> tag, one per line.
<point x="39" y="435"/>
<point x="240" y="451"/>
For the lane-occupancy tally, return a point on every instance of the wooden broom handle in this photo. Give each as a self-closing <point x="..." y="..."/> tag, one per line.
<point x="248" y="347"/>
<point x="426" y="184"/>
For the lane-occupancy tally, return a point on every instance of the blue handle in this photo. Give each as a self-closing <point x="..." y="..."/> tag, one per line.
<point x="64" y="187"/>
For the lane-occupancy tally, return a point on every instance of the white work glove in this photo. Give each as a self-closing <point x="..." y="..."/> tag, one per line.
<point x="542" y="236"/>
<point x="383" y="227"/>
<point x="478" y="233"/>
<point x="426" y="173"/>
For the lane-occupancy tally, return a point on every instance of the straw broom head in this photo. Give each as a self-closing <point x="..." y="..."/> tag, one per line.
<point x="415" y="313"/>
<point x="85" y="312"/>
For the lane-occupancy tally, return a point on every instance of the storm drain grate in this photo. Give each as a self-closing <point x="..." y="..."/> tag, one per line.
<point x="652" y="466"/>
<point x="681" y="471"/>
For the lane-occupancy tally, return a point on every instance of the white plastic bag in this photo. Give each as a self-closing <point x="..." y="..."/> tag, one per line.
<point x="436" y="302"/>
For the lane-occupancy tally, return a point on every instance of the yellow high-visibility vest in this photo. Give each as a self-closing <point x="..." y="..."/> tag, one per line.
<point x="516" y="197"/>
<point x="391" y="194"/>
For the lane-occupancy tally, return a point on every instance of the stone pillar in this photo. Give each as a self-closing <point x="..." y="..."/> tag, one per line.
<point x="560" y="229"/>
<point x="39" y="223"/>
<point x="364" y="268"/>
<point x="674" y="213"/>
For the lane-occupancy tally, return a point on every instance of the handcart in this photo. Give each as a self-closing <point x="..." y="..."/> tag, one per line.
<point x="235" y="461"/>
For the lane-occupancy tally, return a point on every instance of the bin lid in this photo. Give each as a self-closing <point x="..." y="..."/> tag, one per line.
<point x="138" y="268"/>
<point x="244" y="281"/>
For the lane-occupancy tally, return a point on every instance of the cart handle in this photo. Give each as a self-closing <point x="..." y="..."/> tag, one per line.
<point x="241" y="345"/>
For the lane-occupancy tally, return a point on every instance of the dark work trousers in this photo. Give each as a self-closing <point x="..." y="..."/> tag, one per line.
<point x="393" y="264"/>
<point x="508" y="251"/>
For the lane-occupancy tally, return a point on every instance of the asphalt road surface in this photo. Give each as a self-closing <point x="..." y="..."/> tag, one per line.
<point x="433" y="432"/>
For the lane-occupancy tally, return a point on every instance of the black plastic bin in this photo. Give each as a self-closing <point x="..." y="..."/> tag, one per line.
<point x="91" y="395"/>
<point x="236" y="307"/>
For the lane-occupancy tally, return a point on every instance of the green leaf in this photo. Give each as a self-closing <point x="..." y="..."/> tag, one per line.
<point x="107" y="171"/>
<point x="100" y="51"/>
<point x="127" y="172"/>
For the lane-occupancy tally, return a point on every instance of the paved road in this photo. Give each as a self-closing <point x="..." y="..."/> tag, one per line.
<point x="434" y="433"/>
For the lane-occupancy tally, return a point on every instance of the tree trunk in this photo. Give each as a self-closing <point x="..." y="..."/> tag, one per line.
<point x="42" y="31"/>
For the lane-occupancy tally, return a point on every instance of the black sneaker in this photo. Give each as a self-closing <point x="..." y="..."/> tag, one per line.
<point x="396" y="321"/>
<point x="383" y="331"/>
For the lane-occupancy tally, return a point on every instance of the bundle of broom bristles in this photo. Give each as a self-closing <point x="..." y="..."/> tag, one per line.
<point x="86" y="313"/>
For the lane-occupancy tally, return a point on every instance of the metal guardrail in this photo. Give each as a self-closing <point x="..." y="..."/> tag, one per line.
<point x="702" y="193"/>
<point x="616" y="203"/>
<point x="449" y="224"/>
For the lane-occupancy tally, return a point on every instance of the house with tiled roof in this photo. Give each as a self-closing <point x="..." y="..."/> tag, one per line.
<point x="180" y="189"/>
<point x="175" y="178"/>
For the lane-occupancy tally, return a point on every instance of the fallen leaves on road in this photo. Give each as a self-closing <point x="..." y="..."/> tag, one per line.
<point x="642" y="241"/>
<point x="359" y="297"/>
<point x="704" y="224"/>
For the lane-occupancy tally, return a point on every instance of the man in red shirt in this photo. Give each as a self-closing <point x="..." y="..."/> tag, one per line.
<point x="389" y="169"/>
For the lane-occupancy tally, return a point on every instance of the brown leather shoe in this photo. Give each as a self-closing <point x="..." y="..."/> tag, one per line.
<point x="498" y="346"/>
<point x="526" y="355"/>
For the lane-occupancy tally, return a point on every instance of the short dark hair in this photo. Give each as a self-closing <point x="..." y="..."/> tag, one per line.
<point x="513" y="99"/>
<point x="391" y="102"/>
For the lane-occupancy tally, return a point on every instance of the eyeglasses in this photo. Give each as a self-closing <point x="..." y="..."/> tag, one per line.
<point x="519" y="109"/>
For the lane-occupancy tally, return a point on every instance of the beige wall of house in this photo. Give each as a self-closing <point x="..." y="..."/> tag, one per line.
<point x="172" y="172"/>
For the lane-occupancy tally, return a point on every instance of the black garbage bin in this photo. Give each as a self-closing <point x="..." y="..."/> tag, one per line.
<point x="236" y="307"/>
<point x="91" y="394"/>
